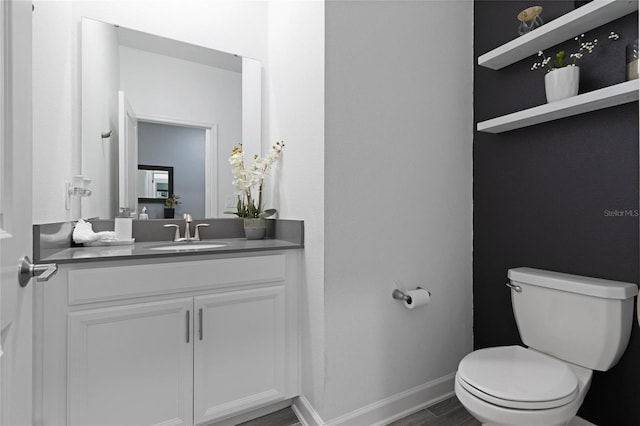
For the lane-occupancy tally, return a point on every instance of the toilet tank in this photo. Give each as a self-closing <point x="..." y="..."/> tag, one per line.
<point x="583" y="320"/>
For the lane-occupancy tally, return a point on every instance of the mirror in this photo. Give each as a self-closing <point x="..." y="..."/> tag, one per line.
<point x="154" y="183"/>
<point x="170" y="83"/>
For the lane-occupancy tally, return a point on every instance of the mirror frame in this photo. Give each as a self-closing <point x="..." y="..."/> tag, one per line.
<point x="163" y="168"/>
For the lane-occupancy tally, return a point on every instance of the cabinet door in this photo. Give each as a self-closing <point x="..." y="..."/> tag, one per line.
<point x="239" y="351"/>
<point x="131" y="365"/>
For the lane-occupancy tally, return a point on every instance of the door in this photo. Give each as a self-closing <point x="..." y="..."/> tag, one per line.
<point x="16" y="310"/>
<point x="239" y="360"/>
<point x="127" y="155"/>
<point x="131" y="364"/>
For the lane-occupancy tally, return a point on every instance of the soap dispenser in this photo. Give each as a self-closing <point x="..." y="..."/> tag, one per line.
<point x="143" y="214"/>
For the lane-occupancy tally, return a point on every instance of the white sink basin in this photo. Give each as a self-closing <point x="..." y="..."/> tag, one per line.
<point x="187" y="246"/>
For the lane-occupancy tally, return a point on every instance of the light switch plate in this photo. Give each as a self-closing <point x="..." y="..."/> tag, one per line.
<point x="230" y="202"/>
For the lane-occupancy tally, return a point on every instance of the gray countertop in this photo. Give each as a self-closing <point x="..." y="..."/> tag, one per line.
<point x="52" y="242"/>
<point x="145" y="250"/>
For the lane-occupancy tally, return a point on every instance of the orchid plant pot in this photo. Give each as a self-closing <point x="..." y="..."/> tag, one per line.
<point x="562" y="83"/>
<point x="255" y="228"/>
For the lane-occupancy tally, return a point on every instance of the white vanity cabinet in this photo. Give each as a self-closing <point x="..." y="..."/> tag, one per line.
<point x="165" y="341"/>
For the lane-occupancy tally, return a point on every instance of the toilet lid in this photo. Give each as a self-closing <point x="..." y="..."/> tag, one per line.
<point x="515" y="377"/>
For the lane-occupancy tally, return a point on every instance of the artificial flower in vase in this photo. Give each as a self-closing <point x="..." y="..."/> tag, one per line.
<point x="249" y="183"/>
<point x="563" y="75"/>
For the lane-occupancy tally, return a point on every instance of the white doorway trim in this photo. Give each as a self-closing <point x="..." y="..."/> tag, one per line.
<point x="211" y="156"/>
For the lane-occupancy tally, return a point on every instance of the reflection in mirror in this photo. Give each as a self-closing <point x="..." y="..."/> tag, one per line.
<point x="170" y="83"/>
<point x="184" y="149"/>
<point x="155" y="183"/>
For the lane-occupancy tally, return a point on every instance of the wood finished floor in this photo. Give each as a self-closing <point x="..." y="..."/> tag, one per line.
<point x="446" y="413"/>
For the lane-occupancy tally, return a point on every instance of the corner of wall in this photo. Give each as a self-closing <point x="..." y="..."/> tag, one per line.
<point x="295" y="113"/>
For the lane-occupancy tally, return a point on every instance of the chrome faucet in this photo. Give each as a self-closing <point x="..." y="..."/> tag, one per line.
<point x="187" y="223"/>
<point x="187" y="233"/>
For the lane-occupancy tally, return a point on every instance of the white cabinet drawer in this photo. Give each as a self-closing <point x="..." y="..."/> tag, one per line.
<point x="123" y="282"/>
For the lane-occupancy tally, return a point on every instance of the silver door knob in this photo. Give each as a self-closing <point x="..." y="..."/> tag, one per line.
<point x="28" y="270"/>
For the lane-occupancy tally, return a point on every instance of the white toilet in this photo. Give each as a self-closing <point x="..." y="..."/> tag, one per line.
<point x="571" y="325"/>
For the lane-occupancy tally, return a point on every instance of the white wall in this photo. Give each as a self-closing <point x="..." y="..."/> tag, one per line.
<point x="296" y="115"/>
<point x="55" y="110"/>
<point x="398" y="201"/>
<point x="233" y="26"/>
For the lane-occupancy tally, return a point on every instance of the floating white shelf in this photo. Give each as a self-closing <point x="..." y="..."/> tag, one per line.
<point x="583" y="19"/>
<point x="617" y="94"/>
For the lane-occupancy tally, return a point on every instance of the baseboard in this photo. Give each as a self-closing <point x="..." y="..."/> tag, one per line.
<point x="251" y="415"/>
<point x="305" y="412"/>
<point x="384" y="411"/>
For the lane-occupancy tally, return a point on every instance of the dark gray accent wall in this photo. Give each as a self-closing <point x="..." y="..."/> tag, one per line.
<point x="184" y="149"/>
<point x="561" y="195"/>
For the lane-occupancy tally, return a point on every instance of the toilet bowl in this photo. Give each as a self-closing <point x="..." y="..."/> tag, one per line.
<point x="571" y="326"/>
<point x="512" y="385"/>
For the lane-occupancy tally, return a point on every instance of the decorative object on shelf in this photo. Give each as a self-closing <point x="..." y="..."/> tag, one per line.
<point x="562" y="83"/>
<point x="632" y="60"/>
<point x="245" y="180"/>
<point x="170" y="206"/>
<point x="530" y="19"/>
<point x="563" y="77"/>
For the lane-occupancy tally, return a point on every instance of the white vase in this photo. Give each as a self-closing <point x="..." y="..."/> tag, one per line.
<point x="561" y="83"/>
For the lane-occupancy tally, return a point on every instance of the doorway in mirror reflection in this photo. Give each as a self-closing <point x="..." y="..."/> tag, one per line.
<point x="181" y="148"/>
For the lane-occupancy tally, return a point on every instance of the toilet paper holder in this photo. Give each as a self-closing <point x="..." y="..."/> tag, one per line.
<point x="401" y="295"/>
